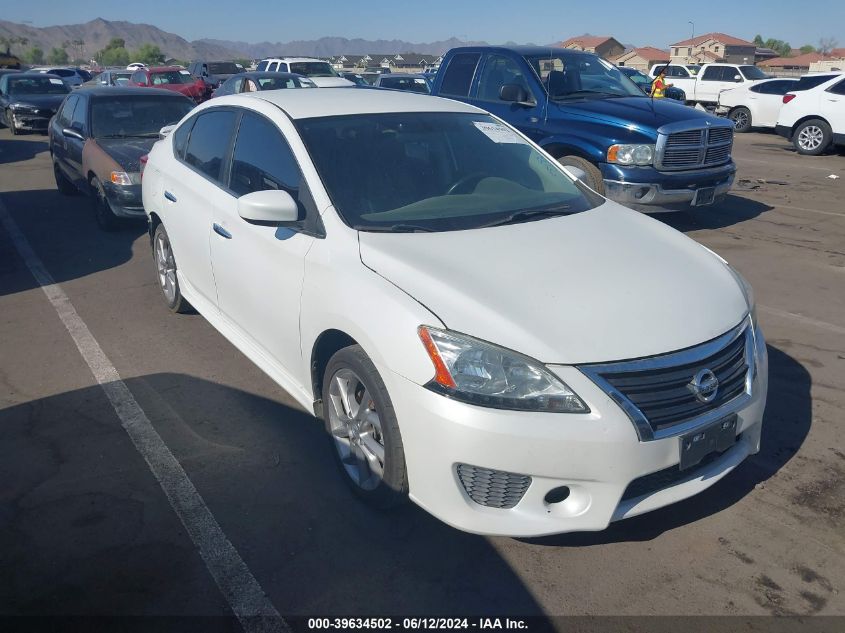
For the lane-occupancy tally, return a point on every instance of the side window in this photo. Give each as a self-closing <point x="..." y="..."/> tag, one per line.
<point x="459" y="74"/>
<point x="138" y="78"/>
<point x="262" y="66"/>
<point x="712" y="73"/>
<point x="66" y="113"/>
<point x="180" y="137"/>
<point x="838" y="89"/>
<point x="498" y="71"/>
<point x="262" y="159"/>
<point x="677" y="71"/>
<point x="209" y="142"/>
<point x="78" y="120"/>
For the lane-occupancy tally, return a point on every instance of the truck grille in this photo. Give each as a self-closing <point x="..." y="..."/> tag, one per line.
<point x="493" y="488"/>
<point x="657" y="391"/>
<point x="690" y="149"/>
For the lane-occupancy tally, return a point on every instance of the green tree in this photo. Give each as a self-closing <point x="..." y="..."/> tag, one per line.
<point x="116" y="42"/>
<point x="113" y="56"/>
<point x="759" y="41"/>
<point x="57" y="56"/>
<point x="808" y="48"/>
<point x="149" y="54"/>
<point x="784" y="49"/>
<point x="35" y="55"/>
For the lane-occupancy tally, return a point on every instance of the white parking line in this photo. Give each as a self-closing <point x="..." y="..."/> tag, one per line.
<point x="741" y="160"/>
<point x="786" y="206"/>
<point x="240" y="588"/>
<point x="823" y="325"/>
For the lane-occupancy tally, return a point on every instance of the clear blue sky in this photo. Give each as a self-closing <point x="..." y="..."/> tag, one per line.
<point x="538" y="21"/>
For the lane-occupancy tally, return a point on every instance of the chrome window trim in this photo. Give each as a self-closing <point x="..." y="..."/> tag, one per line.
<point x="666" y="361"/>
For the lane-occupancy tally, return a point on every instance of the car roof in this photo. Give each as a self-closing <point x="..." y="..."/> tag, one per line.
<point x="161" y="69"/>
<point x="401" y="75"/>
<point x="303" y="104"/>
<point x="268" y="75"/>
<point x="127" y="91"/>
<point x="293" y="59"/>
<point x="522" y="50"/>
<point x="30" y="73"/>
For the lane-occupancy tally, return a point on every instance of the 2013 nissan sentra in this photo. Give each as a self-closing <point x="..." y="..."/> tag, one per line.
<point x="478" y="330"/>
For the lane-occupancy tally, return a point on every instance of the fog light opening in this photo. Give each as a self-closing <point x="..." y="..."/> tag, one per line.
<point x="556" y="495"/>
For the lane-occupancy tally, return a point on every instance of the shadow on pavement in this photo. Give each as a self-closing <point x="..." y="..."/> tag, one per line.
<point x="732" y="210"/>
<point x="63" y="233"/>
<point x="786" y="424"/>
<point x="85" y="528"/>
<point x="20" y="150"/>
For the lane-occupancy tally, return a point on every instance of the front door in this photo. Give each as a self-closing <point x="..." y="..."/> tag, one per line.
<point x="259" y="269"/>
<point x="499" y="70"/>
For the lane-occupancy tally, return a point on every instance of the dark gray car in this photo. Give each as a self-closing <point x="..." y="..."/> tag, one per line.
<point x="28" y="100"/>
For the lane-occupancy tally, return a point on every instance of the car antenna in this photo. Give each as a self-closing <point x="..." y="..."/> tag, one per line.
<point x="548" y="88"/>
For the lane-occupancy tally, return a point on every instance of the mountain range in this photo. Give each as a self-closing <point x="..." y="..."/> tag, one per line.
<point x="97" y="33"/>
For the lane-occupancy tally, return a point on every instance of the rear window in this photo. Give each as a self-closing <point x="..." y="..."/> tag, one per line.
<point x="459" y="74"/>
<point x="37" y="86"/>
<point x="171" y="77"/>
<point x="811" y="81"/>
<point x="223" y="68"/>
<point x="262" y="66"/>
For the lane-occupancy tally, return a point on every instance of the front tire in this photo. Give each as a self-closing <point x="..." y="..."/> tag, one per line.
<point x="812" y="137"/>
<point x="105" y="217"/>
<point x="741" y="118"/>
<point x="593" y="179"/>
<point x="168" y="281"/>
<point x="363" y="430"/>
<point x="10" y="123"/>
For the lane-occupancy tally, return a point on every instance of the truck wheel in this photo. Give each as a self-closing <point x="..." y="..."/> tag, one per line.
<point x="593" y="179"/>
<point x="812" y="137"/>
<point x="742" y="119"/>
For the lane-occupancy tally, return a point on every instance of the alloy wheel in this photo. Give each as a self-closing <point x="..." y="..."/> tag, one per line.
<point x="810" y="138"/>
<point x="356" y="429"/>
<point x="166" y="266"/>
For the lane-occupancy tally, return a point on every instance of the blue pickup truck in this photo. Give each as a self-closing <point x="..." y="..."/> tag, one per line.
<point x="642" y="152"/>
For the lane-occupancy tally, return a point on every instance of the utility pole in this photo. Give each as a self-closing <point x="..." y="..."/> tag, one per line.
<point x="692" y="39"/>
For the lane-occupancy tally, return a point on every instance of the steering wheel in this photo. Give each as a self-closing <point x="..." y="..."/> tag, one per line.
<point x="461" y="182"/>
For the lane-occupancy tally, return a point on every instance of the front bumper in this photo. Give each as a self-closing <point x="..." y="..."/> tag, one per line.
<point x="649" y="188"/>
<point x="30" y="122"/>
<point x="125" y="200"/>
<point x="596" y="455"/>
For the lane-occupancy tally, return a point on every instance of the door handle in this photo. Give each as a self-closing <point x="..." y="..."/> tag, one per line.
<point x="170" y="196"/>
<point x="221" y="231"/>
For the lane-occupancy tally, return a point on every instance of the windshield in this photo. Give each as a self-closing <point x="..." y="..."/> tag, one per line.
<point x="312" y="69"/>
<point x="581" y="77"/>
<point x="171" y="77"/>
<point x="37" y="86"/>
<point x="119" y="78"/>
<point x="441" y="171"/>
<point x="223" y="68"/>
<point x="136" y="115"/>
<point x="411" y="84"/>
<point x="277" y="83"/>
<point x="752" y="72"/>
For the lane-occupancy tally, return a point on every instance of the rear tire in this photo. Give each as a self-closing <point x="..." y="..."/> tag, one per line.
<point x="65" y="186"/>
<point x="812" y="137"/>
<point x="168" y="280"/>
<point x="362" y="429"/>
<point x="593" y="179"/>
<point x="105" y="217"/>
<point x="742" y="119"/>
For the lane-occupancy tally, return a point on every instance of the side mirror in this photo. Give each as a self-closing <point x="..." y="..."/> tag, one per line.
<point x="273" y="206"/>
<point x="72" y="133"/>
<point x="514" y="93"/>
<point x="575" y="172"/>
<point x="737" y="78"/>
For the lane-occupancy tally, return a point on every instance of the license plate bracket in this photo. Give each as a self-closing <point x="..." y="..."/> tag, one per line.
<point x="704" y="196"/>
<point x="716" y="437"/>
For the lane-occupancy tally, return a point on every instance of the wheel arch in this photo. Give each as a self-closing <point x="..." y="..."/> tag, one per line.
<point x="809" y="117"/>
<point x="326" y="345"/>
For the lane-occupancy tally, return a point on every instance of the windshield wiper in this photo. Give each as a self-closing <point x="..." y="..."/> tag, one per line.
<point x="395" y="228"/>
<point x="529" y="214"/>
<point x="144" y="135"/>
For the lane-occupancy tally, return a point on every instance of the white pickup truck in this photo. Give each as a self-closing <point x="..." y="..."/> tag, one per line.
<point x="705" y="85"/>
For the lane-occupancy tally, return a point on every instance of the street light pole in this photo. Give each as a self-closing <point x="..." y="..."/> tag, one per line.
<point x="692" y="38"/>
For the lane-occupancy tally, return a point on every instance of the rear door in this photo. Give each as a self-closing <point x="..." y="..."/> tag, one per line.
<point x="58" y="139"/>
<point x="73" y="146"/>
<point x="766" y="99"/>
<point x="192" y="190"/>
<point x="833" y="108"/>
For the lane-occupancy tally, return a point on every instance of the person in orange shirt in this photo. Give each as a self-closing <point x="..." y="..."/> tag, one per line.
<point x="659" y="85"/>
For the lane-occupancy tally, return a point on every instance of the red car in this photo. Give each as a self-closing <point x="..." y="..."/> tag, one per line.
<point x="169" y="78"/>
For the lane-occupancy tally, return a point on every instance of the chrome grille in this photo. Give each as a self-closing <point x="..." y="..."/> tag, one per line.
<point x="493" y="488"/>
<point x="690" y="149"/>
<point x="656" y="392"/>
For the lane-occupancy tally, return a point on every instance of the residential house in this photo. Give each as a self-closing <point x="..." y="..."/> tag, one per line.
<point x="762" y="54"/>
<point x="713" y="47"/>
<point x="603" y="45"/>
<point x="642" y="58"/>
<point x="791" y="66"/>
<point x="399" y="62"/>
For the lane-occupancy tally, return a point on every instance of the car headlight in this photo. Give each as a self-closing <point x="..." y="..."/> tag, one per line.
<point x="22" y="108"/>
<point x="125" y="178"/>
<point x="630" y="154"/>
<point x="483" y="374"/>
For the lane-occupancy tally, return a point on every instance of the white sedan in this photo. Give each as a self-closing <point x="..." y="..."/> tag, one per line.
<point x="756" y="105"/>
<point x="478" y="330"/>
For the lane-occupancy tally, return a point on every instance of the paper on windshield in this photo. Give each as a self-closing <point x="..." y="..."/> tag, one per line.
<point x="58" y="82"/>
<point x="497" y="132"/>
<point x="184" y="72"/>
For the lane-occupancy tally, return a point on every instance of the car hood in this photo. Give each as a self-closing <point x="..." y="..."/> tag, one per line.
<point x="603" y="285"/>
<point x="48" y="102"/>
<point x="127" y="152"/>
<point x="641" y="111"/>
<point x="331" y="82"/>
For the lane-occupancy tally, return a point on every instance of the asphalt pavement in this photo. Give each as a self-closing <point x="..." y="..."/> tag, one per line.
<point x="89" y="526"/>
